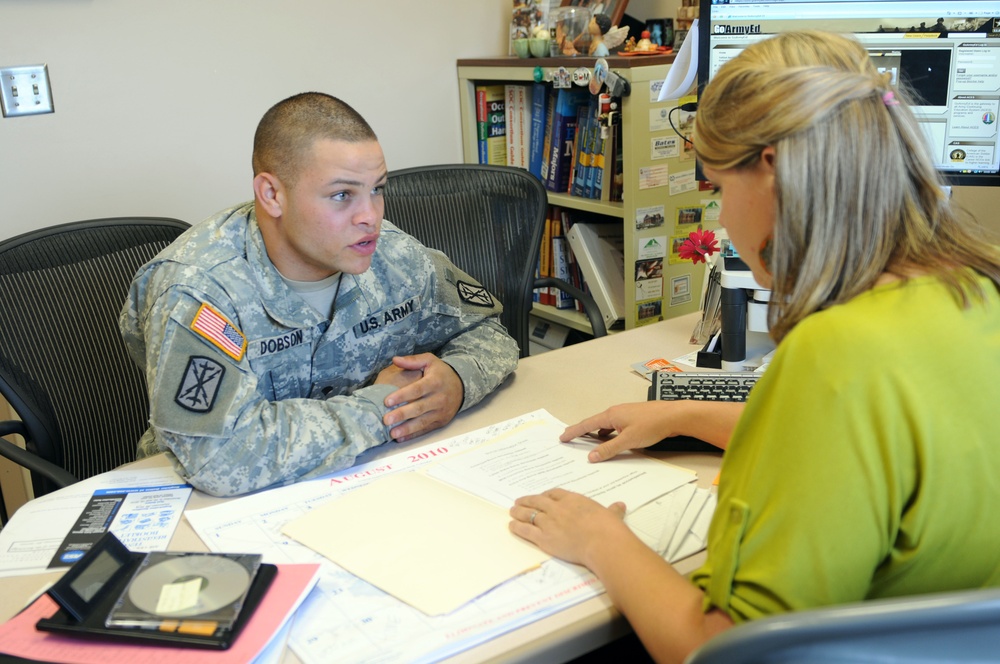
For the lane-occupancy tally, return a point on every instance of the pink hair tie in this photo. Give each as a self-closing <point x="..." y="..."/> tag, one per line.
<point x="889" y="99"/>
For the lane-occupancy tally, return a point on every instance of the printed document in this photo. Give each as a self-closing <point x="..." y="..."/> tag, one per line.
<point x="532" y="460"/>
<point x="438" y="522"/>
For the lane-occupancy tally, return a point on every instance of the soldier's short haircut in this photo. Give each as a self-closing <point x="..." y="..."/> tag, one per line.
<point x="289" y="129"/>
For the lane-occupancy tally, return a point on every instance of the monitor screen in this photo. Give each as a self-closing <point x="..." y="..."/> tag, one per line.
<point x="946" y="51"/>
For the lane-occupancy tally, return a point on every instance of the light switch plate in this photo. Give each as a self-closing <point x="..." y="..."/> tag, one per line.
<point x="25" y="90"/>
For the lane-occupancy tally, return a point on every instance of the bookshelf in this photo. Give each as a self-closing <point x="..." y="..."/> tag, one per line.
<point x="645" y="185"/>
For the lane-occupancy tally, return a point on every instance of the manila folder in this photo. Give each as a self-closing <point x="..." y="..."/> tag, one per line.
<point x="425" y="542"/>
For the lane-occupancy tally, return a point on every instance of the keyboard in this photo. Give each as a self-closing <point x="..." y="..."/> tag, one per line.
<point x="714" y="386"/>
<point x="708" y="386"/>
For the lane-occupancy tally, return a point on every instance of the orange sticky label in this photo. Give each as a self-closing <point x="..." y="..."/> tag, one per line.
<point x="659" y="364"/>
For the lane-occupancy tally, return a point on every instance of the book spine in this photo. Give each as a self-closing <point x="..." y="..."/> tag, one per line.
<point x="555" y="144"/>
<point x="545" y="253"/>
<point x="578" y="179"/>
<point x="536" y="141"/>
<point x="575" y="277"/>
<point x="513" y="124"/>
<point x="560" y="270"/>
<point x="550" y="112"/>
<point x="556" y="231"/>
<point x="481" y="122"/>
<point x="592" y="158"/>
<point x="523" y="111"/>
<point x="561" y="179"/>
<point x="596" y="181"/>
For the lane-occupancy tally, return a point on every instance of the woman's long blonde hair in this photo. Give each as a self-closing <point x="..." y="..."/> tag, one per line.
<point x="857" y="191"/>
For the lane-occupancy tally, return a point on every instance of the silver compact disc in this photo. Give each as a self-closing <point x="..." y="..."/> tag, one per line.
<point x="222" y="582"/>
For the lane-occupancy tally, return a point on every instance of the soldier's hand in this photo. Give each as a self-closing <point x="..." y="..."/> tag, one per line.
<point x="430" y="394"/>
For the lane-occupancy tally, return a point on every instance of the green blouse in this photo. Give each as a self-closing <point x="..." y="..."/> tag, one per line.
<point x="867" y="461"/>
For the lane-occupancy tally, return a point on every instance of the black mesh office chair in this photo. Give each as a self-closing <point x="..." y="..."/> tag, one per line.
<point x="63" y="366"/>
<point x="489" y="220"/>
<point x="961" y="626"/>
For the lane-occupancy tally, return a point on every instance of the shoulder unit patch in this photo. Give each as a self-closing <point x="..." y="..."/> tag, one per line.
<point x="474" y="294"/>
<point x="200" y="384"/>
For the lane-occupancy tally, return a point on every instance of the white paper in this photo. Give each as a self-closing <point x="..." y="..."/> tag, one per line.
<point x="680" y="77"/>
<point x="694" y="508"/>
<point x="675" y="525"/>
<point x="696" y="538"/>
<point x="655" y="523"/>
<point x="531" y="460"/>
<point x="675" y="505"/>
<point x="148" y="516"/>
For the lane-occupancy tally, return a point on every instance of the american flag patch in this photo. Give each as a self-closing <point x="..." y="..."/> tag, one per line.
<point x="210" y="324"/>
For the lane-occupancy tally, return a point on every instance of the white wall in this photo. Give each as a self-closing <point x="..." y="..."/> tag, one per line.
<point x="156" y="102"/>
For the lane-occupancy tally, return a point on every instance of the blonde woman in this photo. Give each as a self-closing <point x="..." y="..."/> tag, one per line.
<point x="857" y="467"/>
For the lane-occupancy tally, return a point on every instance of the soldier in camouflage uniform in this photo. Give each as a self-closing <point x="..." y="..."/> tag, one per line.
<point x="283" y="337"/>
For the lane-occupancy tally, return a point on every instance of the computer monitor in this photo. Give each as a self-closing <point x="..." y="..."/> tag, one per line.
<point x="946" y="51"/>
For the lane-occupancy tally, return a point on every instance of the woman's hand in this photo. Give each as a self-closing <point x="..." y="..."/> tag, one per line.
<point x="632" y="426"/>
<point x="567" y="525"/>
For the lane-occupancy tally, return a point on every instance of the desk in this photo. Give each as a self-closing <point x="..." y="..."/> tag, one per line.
<point x="571" y="383"/>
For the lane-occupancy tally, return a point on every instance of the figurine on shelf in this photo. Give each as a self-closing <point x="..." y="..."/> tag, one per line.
<point x="604" y="36"/>
<point x="645" y="43"/>
<point x="580" y="33"/>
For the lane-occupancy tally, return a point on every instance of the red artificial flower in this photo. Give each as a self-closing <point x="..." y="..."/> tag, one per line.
<point x="698" y="245"/>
